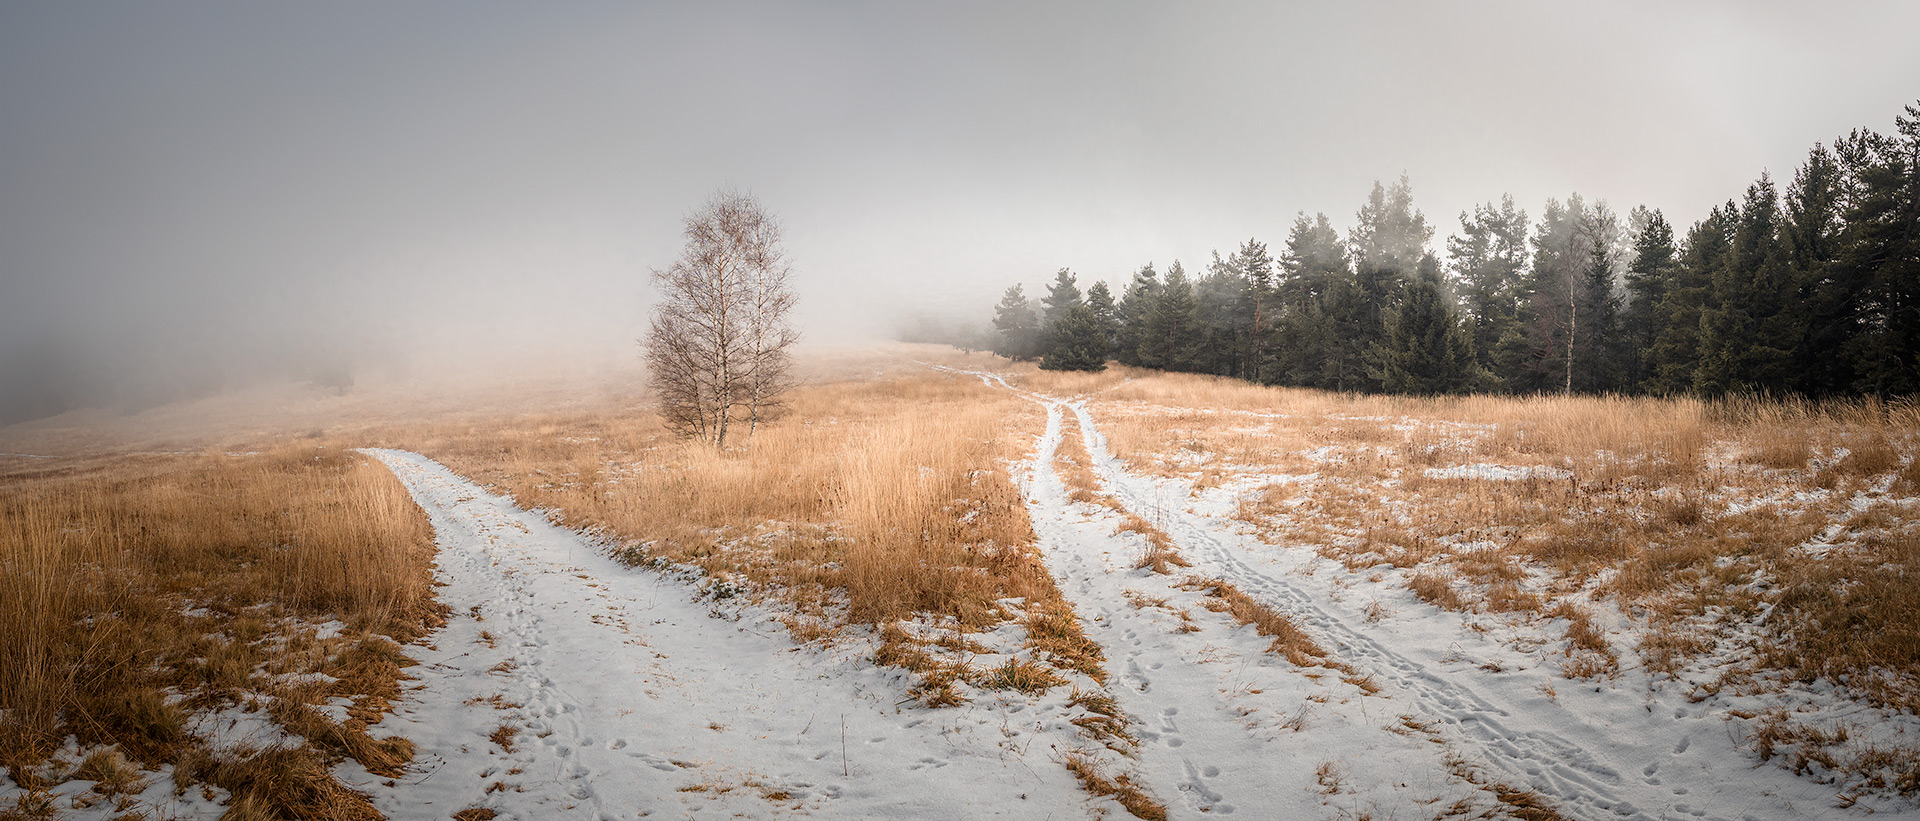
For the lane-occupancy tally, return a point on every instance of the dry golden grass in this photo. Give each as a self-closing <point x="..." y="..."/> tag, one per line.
<point x="1160" y="555"/>
<point x="1289" y="641"/>
<point x="1137" y="801"/>
<point x="1597" y="436"/>
<point x="1692" y="518"/>
<point x="205" y="575"/>
<point x="1053" y="631"/>
<point x="883" y="503"/>
<point x="1105" y="722"/>
<point x="1855" y="617"/>
<point x="1075" y="466"/>
<point x="1436" y="589"/>
<point x="1520" y="803"/>
<point x="872" y="502"/>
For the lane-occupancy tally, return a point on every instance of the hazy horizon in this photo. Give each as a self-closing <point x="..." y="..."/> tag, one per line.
<point x="196" y="194"/>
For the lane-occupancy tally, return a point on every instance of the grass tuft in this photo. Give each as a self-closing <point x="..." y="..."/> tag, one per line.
<point x="1137" y="801"/>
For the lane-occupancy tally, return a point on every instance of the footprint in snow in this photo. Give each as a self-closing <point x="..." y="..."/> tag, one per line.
<point x="654" y="761"/>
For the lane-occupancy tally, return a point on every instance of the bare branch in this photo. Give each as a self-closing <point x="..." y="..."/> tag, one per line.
<point x="717" y="345"/>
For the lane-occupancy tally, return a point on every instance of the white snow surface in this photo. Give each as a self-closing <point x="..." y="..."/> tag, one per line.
<point x="1630" y="748"/>
<point x="633" y="697"/>
<point x="637" y="701"/>
<point x="1508" y="473"/>
<point x="1227" y="727"/>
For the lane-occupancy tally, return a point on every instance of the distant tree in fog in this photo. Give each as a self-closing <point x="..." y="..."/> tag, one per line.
<point x="717" y="345"/>
<point x="1061" y="296"/>
<point x="1424" y="349"/>
<point x="1135" y="303"/>
<point x="1075" y="338"/>
<point x="1172" y="337"/>
<point x="1019" y="328"/>
<point x="1106" y="317"/>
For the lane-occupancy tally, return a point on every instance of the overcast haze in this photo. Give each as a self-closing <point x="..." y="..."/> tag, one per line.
<point x="191" y="189"/>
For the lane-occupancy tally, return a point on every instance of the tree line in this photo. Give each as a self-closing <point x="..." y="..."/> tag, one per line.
<point x="1814" y="291"/>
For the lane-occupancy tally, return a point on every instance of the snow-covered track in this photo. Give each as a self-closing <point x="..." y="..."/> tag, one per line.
<point x="1224" y="726"/>
<point x="630" y="697"/>
<point x="1605" y="752"/>
<point x="1596" y="750"/>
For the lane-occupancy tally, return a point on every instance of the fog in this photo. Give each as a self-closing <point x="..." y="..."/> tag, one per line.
<point x="197" y="195"/>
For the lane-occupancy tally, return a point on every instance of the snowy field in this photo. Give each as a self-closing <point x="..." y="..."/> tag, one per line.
<point x="567" y="684"/>
<point x="635" y="696"/>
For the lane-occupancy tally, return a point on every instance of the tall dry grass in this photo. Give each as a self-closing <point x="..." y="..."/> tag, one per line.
<point x="1694" y="520"/>
<point x="203" y="575"/>
<point x="871" y="502"/>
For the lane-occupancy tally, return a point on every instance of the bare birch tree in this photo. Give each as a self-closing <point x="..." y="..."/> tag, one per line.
<point x="717" y="345"/>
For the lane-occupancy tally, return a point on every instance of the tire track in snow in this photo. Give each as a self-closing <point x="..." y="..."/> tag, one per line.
<point x="1154" y="691"/>
<point x="1585" y="769"/>
<point x="1589" y="770"/>
<point x="1575" y="778"/>
<point x="634" y="698"/>
<point x="1219" y="717"/>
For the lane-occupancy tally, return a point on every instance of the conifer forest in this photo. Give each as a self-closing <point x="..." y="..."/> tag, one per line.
<point x="1808" y="286"/>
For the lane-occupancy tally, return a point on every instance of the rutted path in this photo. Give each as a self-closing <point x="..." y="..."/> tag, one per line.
<point x="568" y="685"/>
<point x="1615" y="753"/>
<point x="1226" y="727"/>
<point x="628" y="698"/>
<point x="1621" y="750"/>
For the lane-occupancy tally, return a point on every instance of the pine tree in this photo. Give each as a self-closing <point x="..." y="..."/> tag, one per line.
<point x="1302" y="342"/>
<point x="1061" y="296"/>
<point x="1341" y="328"/>
<point x="1314" y="256"/>
<point x="1598" y="355"/>
<point x="1019" y="328"/>
<point x="1689" y="295"/>
<point x="1745" y="339"/>
<point x="1073" y="337"/>
<point x="1076" y="343"/>
<point x="1880" y="260"/>
<point x="1489" y="261"/>
<point x="1225" y="307"/>
<point x="1106" y="316"/>
<point x="1135" y="306"/>
<point x="1811" y="232"/>
<point x="1390" y="234"/>
<point x="1257" y="271"/>
<point x="1648" y="276"/>
<point x="1425" y="350"/>
<point x="1388" y="241"/>
<point x="1172" y="336"/>
<point x="1813" y="290"/>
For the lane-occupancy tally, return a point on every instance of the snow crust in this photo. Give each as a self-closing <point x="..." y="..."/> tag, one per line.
<point x="1503" y="473"/>
<point x="634" y="699"/>
<point x="1636" y="746"/>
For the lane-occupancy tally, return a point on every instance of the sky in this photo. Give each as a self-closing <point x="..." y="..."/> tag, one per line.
<point x="196" y="193"/>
